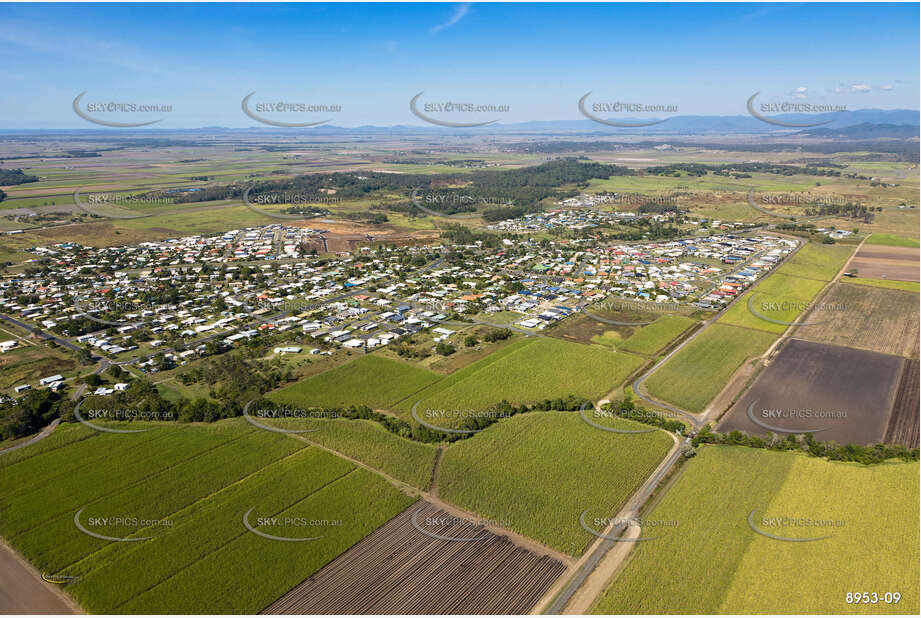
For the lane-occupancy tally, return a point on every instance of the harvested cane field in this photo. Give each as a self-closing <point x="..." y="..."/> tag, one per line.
<point x="439" y="565"/>
<point x="881" y="262"/>
<point x="865" y="317"/>
<point x="903" y="421"/>
<point x="179" y="493"/>
<point x="713" y="562"/>
<point x="836" y="393"/>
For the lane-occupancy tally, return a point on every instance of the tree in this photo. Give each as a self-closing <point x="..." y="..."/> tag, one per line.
<point x="470" y="341"/>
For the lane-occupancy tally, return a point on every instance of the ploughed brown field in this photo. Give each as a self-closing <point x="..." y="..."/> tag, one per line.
<point x="903" y="423"/>
<point x="865" y="317"/>
<point x="398" y="569"/>
<point x="879" y="262"/>
<point x="836" y="393"/>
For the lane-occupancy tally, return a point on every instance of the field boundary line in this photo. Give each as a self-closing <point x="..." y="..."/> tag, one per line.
<point x="119" y="490"/>
<point x="559" y="596"/>
<point x="229" y="541"/>
<point x="196" y="502"/>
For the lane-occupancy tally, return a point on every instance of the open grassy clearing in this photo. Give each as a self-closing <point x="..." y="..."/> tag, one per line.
<point x="875" y="550"/>
<point x="696" y="374"/>
<point x="525" y="372"/>
<point x="891" y="240"/>
<point x="537" y="472"/>
<point x="652" y="338"/>
<point x="200" y="479"/>
<point x="29" y="363"/>
<point x="817" y="261"/>
<point x="368" y="380"/>
<point x="778" y="297"/>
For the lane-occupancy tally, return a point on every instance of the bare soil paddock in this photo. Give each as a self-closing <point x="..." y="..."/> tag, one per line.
<point x="903" y="422"/>
<point x="878" y="262"/>
<point x="837" y="393"/>
<point x="398" y="569"/>
<point x="865" y="317"/>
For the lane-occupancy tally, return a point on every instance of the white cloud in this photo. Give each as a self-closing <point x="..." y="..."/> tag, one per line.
<point x="886" y="87"/>
<point x="460" y="11"/>
<point x="842" y="88"/>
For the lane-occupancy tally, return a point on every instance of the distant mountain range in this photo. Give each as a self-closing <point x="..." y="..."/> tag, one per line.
<point x="866" y="130"/>
<point x="857" y="124"/>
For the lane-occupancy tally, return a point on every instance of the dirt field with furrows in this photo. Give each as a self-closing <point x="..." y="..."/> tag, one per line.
<point x="865" y="317"/>
<point x="881" y="262"/>
<point x="398" y="569"/>
<point x="904" y="420"/>
<point x="837" y="393"/>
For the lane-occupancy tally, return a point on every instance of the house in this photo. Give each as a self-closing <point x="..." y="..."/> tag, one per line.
<point x="23" y="387"/>
<point x="50" y="379"/>
<point x="291" y="349"/>
<point x="6" y="346"/>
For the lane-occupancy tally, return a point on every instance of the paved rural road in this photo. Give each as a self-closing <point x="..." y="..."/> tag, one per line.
<point x="630" y="510"/>
<point x="44" y="433"/>
<point x="41" y="333"/>
<point x="22" y="590"/>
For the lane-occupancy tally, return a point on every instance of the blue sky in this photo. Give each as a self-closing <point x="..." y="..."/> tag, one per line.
<point x="538" y="59"/>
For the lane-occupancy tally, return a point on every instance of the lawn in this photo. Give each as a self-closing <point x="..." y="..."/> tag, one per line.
<point x="197" y="481"/>
<point x="528" y="371"/>
<point x="650" y="339"/>
<point x="817" y="261"/>
<point x="778" y="297"/>
<point x="537" y="472"/>
<point x="891" y="240"/>
<point x="369" y="380"/>
<point x="696" y="374"/>
<point x="872" y="547"/>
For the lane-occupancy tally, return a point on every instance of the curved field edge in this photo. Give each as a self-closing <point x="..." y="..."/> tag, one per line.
<point x="368" y="442"/>
<point x="535" y="473"/>
<point x="712" y="562"/>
